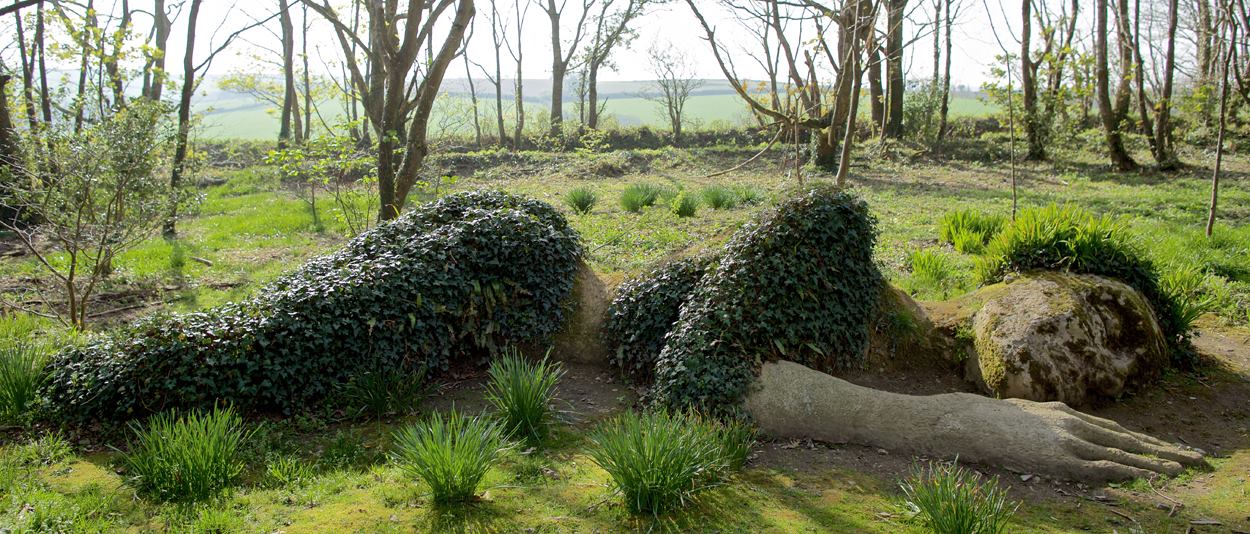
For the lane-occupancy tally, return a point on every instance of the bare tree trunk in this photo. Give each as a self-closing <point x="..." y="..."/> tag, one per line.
<point x="308" y="101"/>
<point x="28" y="73"/>
<point x="944" y="112"/>
<point x="154" y="71"/>
<point x="477" y="120"/>
<point x="1028" y="81"/>
<point x="1143" y="101"/>
<point x="894" y="68"/>
<point x="1111" y="115"/>
<point x="1219" y="144"/>
<point x="45" y="98"/>
<point x="1165" y="153"/>
<point x="288" y="73"/>
<point x="875" y="90"/>
<point x="170" y="230"/>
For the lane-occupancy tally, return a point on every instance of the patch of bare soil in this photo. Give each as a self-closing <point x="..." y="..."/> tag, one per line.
<point x="585" y="394"/>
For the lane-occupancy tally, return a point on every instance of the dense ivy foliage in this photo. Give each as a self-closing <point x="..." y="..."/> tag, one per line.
<point x="1068" y="238"/>
<point x="467" y="273"/>
<point x="644" y="309"/>
<point x="799" y="283"/>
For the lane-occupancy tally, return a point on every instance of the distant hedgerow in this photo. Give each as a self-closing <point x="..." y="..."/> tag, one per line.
<point x="798" y="283"/>
<point x="472" y="271"/>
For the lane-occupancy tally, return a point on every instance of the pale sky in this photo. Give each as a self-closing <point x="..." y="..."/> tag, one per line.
<point x="670" y="24"/>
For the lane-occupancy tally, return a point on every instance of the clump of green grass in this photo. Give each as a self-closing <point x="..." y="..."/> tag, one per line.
<point x="581" y="199"/>
<point x="522" y="392"/>
<point x="952" y="500"/>
<point x="451" y="455"/>
<point x="719" y="197"/>
<point x="635" y="197"/>
<point x="748" y="195"/>
<point x="969" y="230"/>
<point x="660" y="460"/>
<point x="287" y="471"/>
<point x="931" y="270"/>
<point x="684" y="205"/>
<point x="22" y="370"/>
<point x="187" y="458"/>
<point x="1185" y="286"/>
<point x="385" y="391"/>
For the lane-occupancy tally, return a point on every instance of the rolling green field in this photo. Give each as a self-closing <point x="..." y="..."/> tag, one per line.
<point x="229" y="115"/>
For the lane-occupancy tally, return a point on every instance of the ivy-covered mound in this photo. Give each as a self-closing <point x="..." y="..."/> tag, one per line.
<point x="470" y="272"/>
<point x="799" y="283"/>
<point x="644" y="309"/>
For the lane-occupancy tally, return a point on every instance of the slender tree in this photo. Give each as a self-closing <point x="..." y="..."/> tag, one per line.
<point x="562" y="52"/>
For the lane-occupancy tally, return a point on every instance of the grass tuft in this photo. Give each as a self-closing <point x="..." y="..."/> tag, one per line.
<point x="969" y="230"/>
<point x="684" y="205"/>
<point x="187" y="458"/>
<point x="385" y="391"/>
<point x="660" y="460"/>
<point x="522" y="392"/>
<point x="635" y="197"/>
<point x="451" y="455"/>
<point x="22" y="371"/>
<point x="719" y="197"/>
<point x="581" y="199"/>
<point x="952" y="500"/>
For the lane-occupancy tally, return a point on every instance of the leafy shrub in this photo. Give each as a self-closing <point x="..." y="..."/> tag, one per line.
<point x="952" y="500"/>
<point x="635" y="197"/>
<point x="643" y="311"/>
<point x="719" y="197"/>
<point x="189" y="457"/>
<point x="1071" y="239"/>
<point x="798" y="283"/>
<point x="684" y="205"/>
<point x="659" y="460"/>
<point x="22" y="371"/>
<point x="383" y="391"/>
<point x="522" y="393"/>
<point x="470" y="272"/>
<point x="581" y="199"/>
<point x="969" y="230"/>
<point x="451" y="455"/>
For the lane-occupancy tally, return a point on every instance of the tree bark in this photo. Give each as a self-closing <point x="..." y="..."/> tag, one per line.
<point x="288" y="73"/>
<point x="170" y="230"/>
<point x="1028" y="80"/>
<point x="1111" y="115"/>
<point x="944" y="112"/>
<point x="894" y="68"/>
<point x="1165" y="153"/>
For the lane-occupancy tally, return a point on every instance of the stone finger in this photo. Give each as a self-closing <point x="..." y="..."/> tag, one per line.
<point x="1093" y="452"/>
<point x="1111" y="434"/>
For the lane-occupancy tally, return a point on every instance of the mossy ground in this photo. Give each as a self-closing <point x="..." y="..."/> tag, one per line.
<point x="252" y="228"/>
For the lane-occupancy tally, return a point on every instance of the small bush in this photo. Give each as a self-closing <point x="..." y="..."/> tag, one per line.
<point x="1071" y="239"/>
<point x="719" y="197"/>
<point x="385" y="391"/>
<point x="522" y="393"/>
<point x="643" y="311"/>
<point x="451" y="455"/>
<point x="969" y="230"/>
<point x="952" y="500"/>
<point x="684" y="205"/>
<point x="799" y="283"/>
<point x="659" y="460"/>
<point x="635" y="197"/>
<point x="581" y="199"/>
<point x="187" y="458"/>
<point x="22" y="371"/>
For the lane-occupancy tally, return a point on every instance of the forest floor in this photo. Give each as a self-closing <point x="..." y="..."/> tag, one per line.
<point x="249" y="228"/>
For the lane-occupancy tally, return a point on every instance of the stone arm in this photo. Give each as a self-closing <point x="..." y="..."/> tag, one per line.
<point x="790" y="400"/>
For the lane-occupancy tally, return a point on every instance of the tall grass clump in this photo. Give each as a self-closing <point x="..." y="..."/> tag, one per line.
<point x="1186" y="287"/>
<point x="635" y="197"/>
<point x="931" y="270"/>
<point x="969" y="230"/>
<point x="451" y="455"/>
<point x="581" y="199"/>
<point x="522" y="392"/>
<point x="383" y="391"/>
<point x="660" y="460"/>
<point x="684" y="204"/>
<point x="952" y="500"/>
<point x="1067" y="238"/>
<point x="719" y="197"/>
<point x="747" y="194"/>
<point x="189" y="457"/>
<point x="22" y="371"/>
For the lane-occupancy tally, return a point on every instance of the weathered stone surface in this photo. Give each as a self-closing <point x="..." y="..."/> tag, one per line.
<point x="1064" y="337"/>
